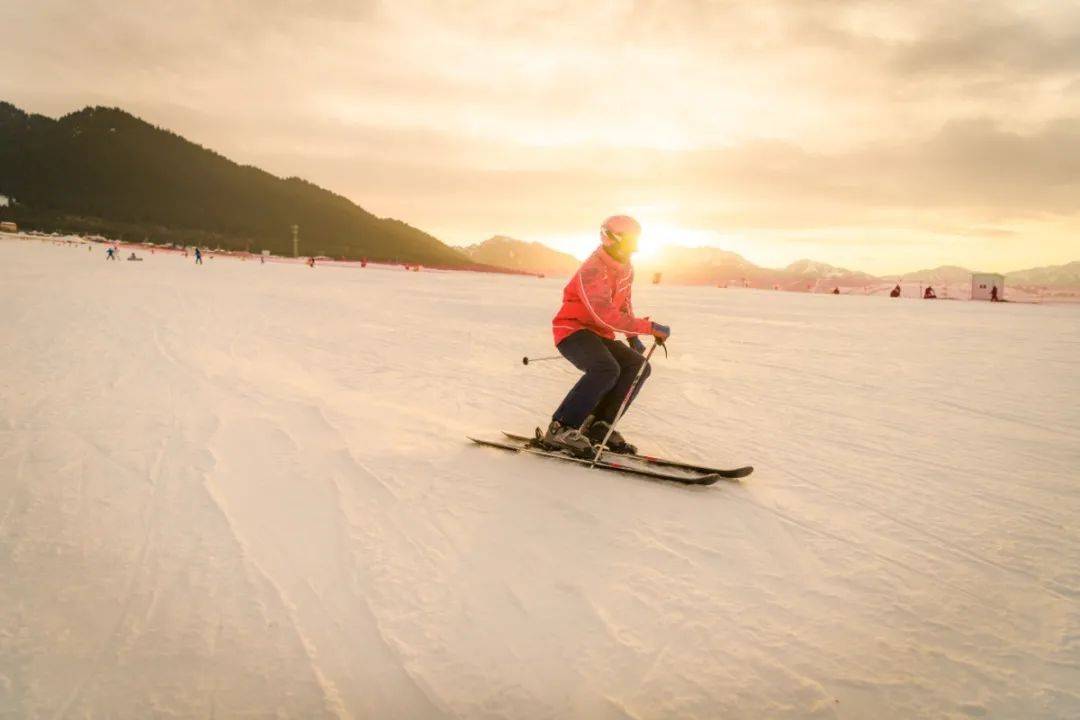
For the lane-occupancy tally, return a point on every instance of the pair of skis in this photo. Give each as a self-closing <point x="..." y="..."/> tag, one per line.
<point x="641" y="465"/>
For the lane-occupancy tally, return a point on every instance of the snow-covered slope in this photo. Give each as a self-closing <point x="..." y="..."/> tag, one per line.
<point x="244" y="490"/>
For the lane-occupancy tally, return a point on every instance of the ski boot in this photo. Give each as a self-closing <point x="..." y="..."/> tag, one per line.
<point x="567" y="439"/>
<point x="616" y="443"/>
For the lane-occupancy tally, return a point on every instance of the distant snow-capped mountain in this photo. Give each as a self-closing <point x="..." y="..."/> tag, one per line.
<point x="812" y="269"/>
<point x="948" y="274"/>
<point x="533" y="257"/>
<point x="1067" y="275"/>
<point x="715" y="266"/>
<point x="698" y="265"/>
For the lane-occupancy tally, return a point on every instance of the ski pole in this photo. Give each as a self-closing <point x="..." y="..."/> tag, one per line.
<point x="526" y="360"/>
<point x="622" y="408"/>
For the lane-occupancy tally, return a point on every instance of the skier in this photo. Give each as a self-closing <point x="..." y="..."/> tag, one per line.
<point x="110" y="254"/>
<point x="993" y="294"/>
<point x="198" y="256"/>
<point x="596" y="305"/>
<point x="895" y="291"/>
<point x="929" y="294"/>
<point x="836" y="291"/>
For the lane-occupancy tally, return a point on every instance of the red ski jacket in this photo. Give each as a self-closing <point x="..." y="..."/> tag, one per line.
<point x="597" y="299"/>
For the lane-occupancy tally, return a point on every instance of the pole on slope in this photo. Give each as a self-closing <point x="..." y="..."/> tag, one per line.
<point x="526" y="360"/>
<point x="622" y="407"/>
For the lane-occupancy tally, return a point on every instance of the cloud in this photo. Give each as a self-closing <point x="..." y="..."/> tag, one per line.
<point x="535" y="118"/>
<point x="991" y="38"/>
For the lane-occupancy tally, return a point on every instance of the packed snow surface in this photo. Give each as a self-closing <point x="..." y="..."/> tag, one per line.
<point x="245" y="490"/>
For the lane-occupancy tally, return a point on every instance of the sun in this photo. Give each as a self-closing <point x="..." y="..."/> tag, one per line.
<point x="649" y="244"/>
<point x="658" y="234"/>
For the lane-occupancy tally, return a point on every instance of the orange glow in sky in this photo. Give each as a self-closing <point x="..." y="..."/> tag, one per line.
<point x="871" y="134"/>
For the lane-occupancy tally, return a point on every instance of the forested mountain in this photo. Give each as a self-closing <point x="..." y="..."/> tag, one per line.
<point x="103" y="170"/>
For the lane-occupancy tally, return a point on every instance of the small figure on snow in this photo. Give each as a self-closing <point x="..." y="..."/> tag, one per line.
<point x="929" y="294"/>
<point x="110" y="253"/>
<point x="311" y="261"/>
<point x="596" y="305"/>
<point x="993" y="294"/>
<point x="836" y="291"/>
<point x="895" y="291"/>
<point x="198" y="256"/>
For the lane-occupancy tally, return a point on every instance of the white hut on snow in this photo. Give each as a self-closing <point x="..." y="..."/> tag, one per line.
<point x="983" y="284"/>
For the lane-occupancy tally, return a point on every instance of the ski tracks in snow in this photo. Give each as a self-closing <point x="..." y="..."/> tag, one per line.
<point x="251" y="484"/>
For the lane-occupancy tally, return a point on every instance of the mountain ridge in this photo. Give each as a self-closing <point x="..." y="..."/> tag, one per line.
<point x="1066" y="275"/>
<point x="534" y="257"/>
<point x="707" y="265"/>
<point x="104" y="170"/>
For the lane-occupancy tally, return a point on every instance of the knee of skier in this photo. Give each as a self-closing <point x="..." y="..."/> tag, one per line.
<point x="606" y="372"/>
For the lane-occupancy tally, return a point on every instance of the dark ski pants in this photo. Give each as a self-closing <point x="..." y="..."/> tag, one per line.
<point x="609" y="366"/>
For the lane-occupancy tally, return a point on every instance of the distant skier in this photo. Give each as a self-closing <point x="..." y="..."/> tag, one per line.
<point x="198" y="256"/>
<point x="596" y="305"/>
<point x="311" y="262"/>
<point x="929" y="294"/>
<point x="993" y="294"/>
<point x="110" y="254"/>
<point x="836" y="291"/>
<point x="895" y="291"/>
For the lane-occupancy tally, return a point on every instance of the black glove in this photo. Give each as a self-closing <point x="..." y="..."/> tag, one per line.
<point x="660" y="332"/>
<point x="635" y="342"/>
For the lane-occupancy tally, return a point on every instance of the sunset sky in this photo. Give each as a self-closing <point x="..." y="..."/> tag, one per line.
<point x="881" y="136"/>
